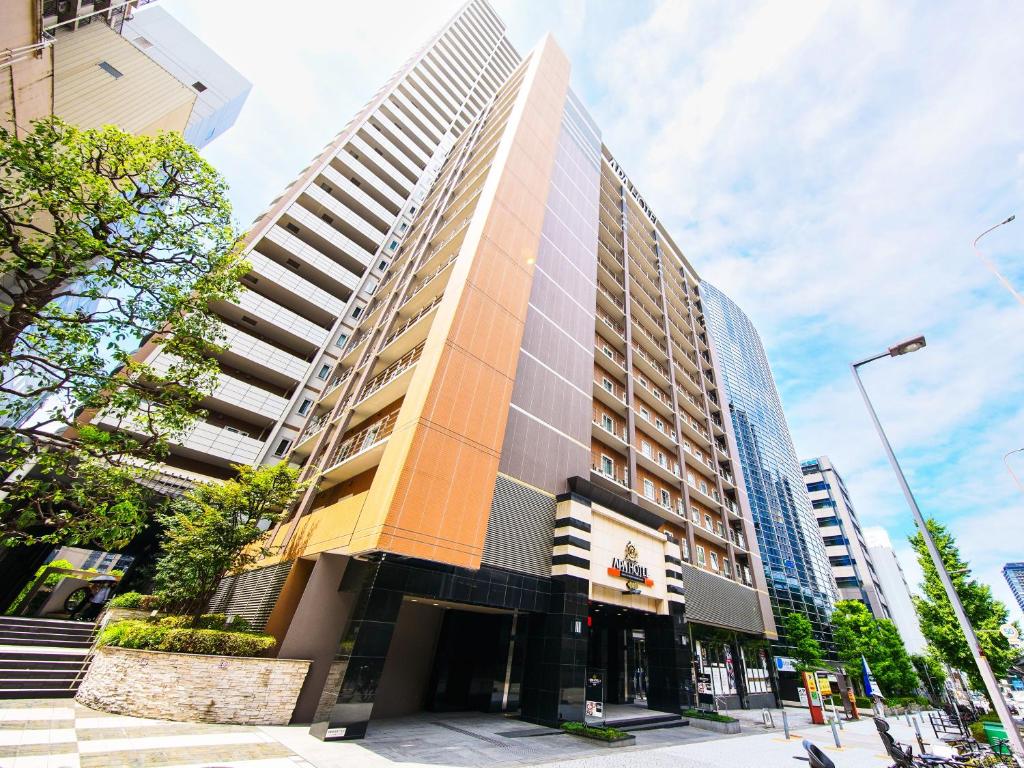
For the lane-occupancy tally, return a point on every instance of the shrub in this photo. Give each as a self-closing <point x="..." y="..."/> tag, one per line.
<point x="206" y="621"/>
<point x="592" y="732"/>
<point x="149" y="636"/>
<point x="137" y="601"/>
<point x="697" y="714"/>
<point x="863" y="702"/>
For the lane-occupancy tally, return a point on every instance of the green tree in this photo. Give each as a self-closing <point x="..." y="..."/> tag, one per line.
<point x="807" y="651"/>
<point x="216" y="528"/>
<point x="938" y="622"/>
<point x="857" y="633"/>
<point x="930" y="672"/>
<point x="106" y="240"/>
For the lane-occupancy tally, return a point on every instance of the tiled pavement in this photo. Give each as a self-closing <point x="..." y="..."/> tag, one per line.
<point x="58" y="733"/>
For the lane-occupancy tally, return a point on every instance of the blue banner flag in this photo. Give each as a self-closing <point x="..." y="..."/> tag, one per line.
<point x="871" y="688"/>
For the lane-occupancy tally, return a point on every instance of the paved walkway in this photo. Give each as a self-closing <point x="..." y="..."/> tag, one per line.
<point x="57" y="733"/>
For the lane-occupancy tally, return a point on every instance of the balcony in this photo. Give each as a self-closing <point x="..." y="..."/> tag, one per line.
<point x="650" y="341"/>
<point x="273" y="321"/>
<point x="388" y="385"/>
<point x="609" y="302"/>
<point x="667" y="469"/>
<point x="704" y="497"/>
<point x="600" y="429"/>
<point x="334" y="387"/>
<point x="252" y="355"/>
<point x="614" y="397"/>
<point x="359" y="452"/>
<point x="607" y="353"/>
<point x="307" y="440"/>
<point x="654" y="368"/>
<point x="410" y="333"/>
<point x="446" y="247"/>
<point x="611" y="323"/>
<point x="619" y="477"/>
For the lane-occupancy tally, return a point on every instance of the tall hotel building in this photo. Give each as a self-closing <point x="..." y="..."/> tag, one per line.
<point x="490" y="358"/>
<point x="796" y="566"/>
<point x="897" y="592"/>
<point x="1014" y="575"/>
<point x="848" y="554"/>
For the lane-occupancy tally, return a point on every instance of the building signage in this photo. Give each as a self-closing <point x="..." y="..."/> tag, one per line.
<point x="595" y="696"/>
<point x="632" y="190"/>
<point x="627" y="567"/>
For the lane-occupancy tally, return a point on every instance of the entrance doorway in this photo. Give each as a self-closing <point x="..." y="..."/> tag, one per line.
<point x="617" y="650"/>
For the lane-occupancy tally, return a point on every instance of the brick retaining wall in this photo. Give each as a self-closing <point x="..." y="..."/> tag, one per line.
<point x="192" y="687"/>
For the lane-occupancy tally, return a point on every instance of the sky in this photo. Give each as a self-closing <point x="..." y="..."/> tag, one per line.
<point x="826" y="164"/>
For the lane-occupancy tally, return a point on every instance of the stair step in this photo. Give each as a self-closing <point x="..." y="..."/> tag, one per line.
<point x="654" y="726"/>
<point x="28" y="621"/>
<point x="45" y="642"/>
<point x="14" y="638"/>
<point x="37" y="693"/>
<point x="34" y="683"/>
<point x="632" y="723"/>
<point x="43" y="654"/>
<point x="67" y="673"/>
<point x="42" y="665"/>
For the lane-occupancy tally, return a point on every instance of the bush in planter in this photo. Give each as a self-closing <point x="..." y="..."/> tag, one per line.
<point x="137" y="601"/>
<point x="863" y="702"/>
<point x="206" y="621"/>
<point x="697" y="714"/>
<point x="592" y="732"/>
<point x="149" y="636"/>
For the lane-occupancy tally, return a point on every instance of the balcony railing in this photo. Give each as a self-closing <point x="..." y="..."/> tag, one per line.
<point x="611" y="297"/>
<point x="617" y="476"/>
<point x="314" y="426"/>
<point x="610" y="322"/>
<point x="413" y="320"/>
<point x="620" y="433"/>
<point x="363" y="439"/>
<point x="616" y="391"/>
<point x="437" y="248"/>
<point x="650" y="360"/>
<point x="394" y="370"/>
<point x="609" y="352"/>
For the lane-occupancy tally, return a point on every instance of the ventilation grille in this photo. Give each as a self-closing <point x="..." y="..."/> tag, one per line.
<point x="252" y="594"/>
<point x="520" y="529"/>
<point x="711" y="599"/>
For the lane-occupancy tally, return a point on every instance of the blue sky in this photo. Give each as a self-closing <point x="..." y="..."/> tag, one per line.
<point x="826" y="164"/>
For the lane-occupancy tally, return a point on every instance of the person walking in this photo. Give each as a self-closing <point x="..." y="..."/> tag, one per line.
<point x="99" y="593"/>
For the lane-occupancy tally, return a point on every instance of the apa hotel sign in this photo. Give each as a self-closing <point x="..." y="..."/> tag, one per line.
<point x="628" y="567"/>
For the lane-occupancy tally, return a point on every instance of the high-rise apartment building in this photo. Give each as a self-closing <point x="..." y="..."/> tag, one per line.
<point x="1014" y="575"/>
<point x="520" y="473"/>
<point x="841" y="533"/>
<point x="795" y="564"/>
<point x="895" y="588"/>
<point x="320" y="251"/>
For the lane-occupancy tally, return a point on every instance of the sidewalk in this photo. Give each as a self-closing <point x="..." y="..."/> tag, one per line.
<point x="58" y="733"/>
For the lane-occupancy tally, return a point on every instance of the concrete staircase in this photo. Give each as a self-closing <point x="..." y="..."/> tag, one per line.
<point x="43" y="658"/>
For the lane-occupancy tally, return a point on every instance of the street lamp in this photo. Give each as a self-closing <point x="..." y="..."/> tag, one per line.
<point x="991" y="265"/>
<point x="1006" y="461"/>
<point x="1013" y="735"/>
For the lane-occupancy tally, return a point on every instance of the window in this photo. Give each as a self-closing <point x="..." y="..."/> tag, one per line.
<point x="714" y="561"/>
<point x="607" y="423"/>
<point x="666" y="499"/>
<point x="383" y="265"/>
<point x="291" y="227"/>
<point x="607" y="350"/>
<point x="607" y="466"/>
<point x="704" y="487"/>
<point x="236" y="431"/>
<point x="282" y="447"/>
<point x="325" y="371"/>
<point x="707" y="521"/>
<point x="645" y="414"/>
<point x="199" y="86"/>
<point x="825" y="522"/>
<point x="305" y="406"/>
<point x="607" y="384"/>
<point x="642" y="381"/>
<point x="326" y="187"/>
<point x="847" y="581"/>
<point x="720" y="529"/>
<point x="648" y="489"/>
<point x="659" y="424"/>
<point x="356" y="312"/>
<point x="112" y="71"/>
<point x="686" y="549"/>
<point x="341" y="340"/>
<point x="393" y="245"/>
<point x="328" y="219"/>
<point x="701" y="561"/>
<point x="690" y="478"/>
<point x="412" y="209"/>
<point x="725" y="567"/>
<point x="841" y="560"/>
<point x="645" y="448"/>
<point x="662" y="460"/>
<point x="695" y="515"/>
<point x="821" y="485"/>
<point x="823" y="503"/>
<point x="371" y="286"/>
<point x="405" y="226"/>
<point x="835" y="541"/>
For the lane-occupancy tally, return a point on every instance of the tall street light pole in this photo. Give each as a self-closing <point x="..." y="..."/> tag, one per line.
<point x="1006" y="461"/>
<point x="991" y="686"/>
<point x="991" y="265"/>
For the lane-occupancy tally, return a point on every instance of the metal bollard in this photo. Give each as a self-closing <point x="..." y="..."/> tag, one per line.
<point x="785" y="724"/>
<point x="835" y="733"/>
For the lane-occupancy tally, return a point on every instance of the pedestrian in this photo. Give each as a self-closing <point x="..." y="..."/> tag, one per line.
<point x="99" y="593"/>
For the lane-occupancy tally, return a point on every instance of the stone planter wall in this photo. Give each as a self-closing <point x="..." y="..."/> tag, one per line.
<point x="712" y="725"/>
<point x="120" y="614"/>
<point x="184" y="686"/>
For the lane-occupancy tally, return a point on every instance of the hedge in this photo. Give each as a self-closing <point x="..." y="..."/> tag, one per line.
<point x="697" y="714"/>
<point x="206" y="621"/>
<point x="148" y="636"/>
<point x="137" y="600"/>
<point x="592" y="732"/>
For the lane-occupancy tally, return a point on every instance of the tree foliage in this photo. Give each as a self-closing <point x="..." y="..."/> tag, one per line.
<point x="938" y="622"/>
<point x="107" y="240"/>
<point x="857" y="633"/>
<point x="807" y="651"/>
<point x="930" y="672"/>
<point x="216" y="528"/>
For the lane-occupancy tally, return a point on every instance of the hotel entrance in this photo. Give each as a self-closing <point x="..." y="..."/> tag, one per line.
<point x="618" y="650"/>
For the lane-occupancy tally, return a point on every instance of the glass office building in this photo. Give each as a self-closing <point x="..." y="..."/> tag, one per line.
<point x="795" y="563"/>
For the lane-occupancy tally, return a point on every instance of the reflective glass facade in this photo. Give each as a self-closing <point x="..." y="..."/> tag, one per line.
<point x="796" y="567"/>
